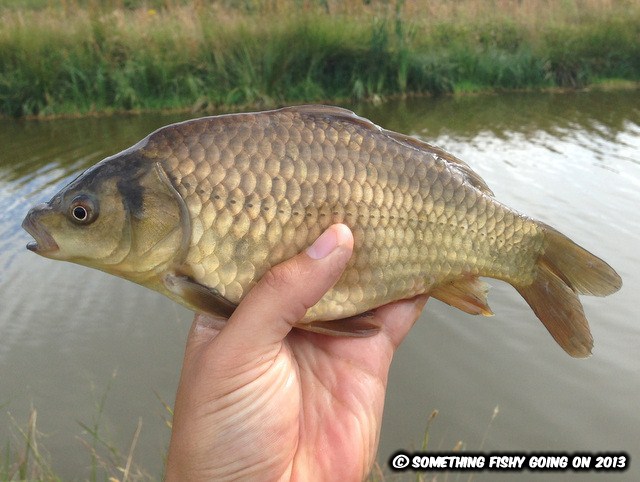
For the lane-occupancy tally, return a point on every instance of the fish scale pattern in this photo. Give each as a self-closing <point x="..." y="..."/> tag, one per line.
<point x="262" y="187"/>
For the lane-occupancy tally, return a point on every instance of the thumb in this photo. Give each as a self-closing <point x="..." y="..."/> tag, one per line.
<point x="283" y="295"/>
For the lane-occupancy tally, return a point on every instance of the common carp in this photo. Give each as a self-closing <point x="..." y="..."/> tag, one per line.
<point x="200" y="210"/>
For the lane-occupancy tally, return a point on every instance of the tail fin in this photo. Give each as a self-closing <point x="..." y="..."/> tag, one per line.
<point x="564" y="271"/>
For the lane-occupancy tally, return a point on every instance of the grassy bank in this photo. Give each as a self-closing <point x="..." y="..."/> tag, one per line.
<point x="86" y="56"/>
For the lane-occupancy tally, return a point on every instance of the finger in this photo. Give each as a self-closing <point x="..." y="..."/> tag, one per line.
<point x="283" y="295"/>
<point x="399" y="317"/>
<point x="204" y="328"/>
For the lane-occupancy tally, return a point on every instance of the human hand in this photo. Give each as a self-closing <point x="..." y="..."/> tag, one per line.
<point x="258" y="400"/>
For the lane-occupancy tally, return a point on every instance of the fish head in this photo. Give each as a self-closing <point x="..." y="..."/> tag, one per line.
<point x="121" y="216"/>
<point x="84" y="221"/>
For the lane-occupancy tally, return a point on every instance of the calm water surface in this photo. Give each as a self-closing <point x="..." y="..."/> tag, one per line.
<point x="72" y="338"/>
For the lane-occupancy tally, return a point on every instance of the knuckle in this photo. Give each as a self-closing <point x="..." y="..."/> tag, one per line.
<point x="282" y="281"/>
<point x="279" y="277"/>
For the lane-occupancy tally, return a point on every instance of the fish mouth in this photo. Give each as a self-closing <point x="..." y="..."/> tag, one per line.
<point x="44" y="243"/>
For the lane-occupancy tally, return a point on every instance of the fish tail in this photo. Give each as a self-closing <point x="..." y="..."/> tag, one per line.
<point x="565" y="270"/>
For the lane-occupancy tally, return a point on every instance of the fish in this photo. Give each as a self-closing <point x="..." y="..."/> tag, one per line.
<point x="200" y="210"/>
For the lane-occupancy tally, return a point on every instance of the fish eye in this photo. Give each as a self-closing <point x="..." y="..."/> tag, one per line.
<point x="80" y="213"/>
<point x="83" y="209"/>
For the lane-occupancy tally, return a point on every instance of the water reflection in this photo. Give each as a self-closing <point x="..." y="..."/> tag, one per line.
<point x="602" y="115"/>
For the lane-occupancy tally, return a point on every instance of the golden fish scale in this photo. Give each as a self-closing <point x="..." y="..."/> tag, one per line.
<point x="262" y="187"/>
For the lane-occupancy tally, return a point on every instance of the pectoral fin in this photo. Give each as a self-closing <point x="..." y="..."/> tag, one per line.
<point x="467" y="294"/>
<point x="356" y="326"/>
<point x="200" y="297"/>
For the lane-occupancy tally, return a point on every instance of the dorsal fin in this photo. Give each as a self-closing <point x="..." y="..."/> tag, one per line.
<point x="339" y="113"/>
<point x="469" y="174"/>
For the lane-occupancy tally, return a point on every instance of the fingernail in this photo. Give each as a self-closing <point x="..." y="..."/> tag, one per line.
<point x="324" y="245"/>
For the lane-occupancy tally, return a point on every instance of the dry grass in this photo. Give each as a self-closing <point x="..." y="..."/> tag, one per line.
<point x="24" y="457"/>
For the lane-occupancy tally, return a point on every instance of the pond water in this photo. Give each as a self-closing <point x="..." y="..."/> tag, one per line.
<point x="83" y="347"/>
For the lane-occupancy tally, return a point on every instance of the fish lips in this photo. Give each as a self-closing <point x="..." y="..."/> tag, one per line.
<point x="44" y="243"/>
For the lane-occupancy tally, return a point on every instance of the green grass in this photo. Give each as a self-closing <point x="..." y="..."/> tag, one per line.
<point x="89" y="56"/>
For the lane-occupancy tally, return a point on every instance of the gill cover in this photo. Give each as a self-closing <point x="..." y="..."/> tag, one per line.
<point x="159" y="226"/>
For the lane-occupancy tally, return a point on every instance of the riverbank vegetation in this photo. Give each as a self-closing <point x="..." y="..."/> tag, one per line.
<point x="81" y="56"/>
<point x="25" y="458"/>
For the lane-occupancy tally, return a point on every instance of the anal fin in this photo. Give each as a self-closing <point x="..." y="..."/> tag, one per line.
<point x="198" y="296"/>
<point x="359" y="326"/>
<point x="467" y="294"/>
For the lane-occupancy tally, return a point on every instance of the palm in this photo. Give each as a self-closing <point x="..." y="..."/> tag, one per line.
<point x="312" y="405"/>
<point x="326" y="397"/>
<point x="342" y="386"/>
